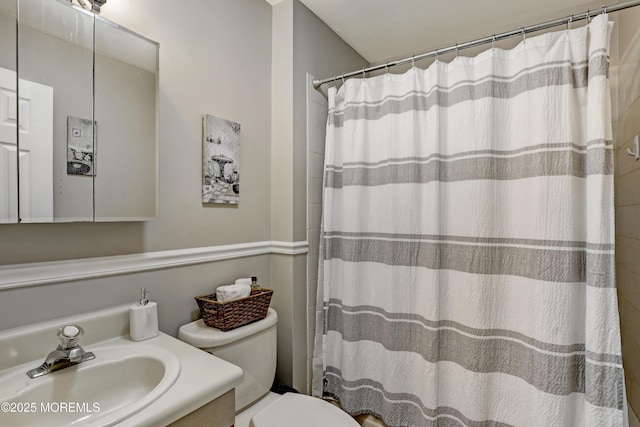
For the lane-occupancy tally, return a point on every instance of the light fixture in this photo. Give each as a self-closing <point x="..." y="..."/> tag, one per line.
<point x="92" y="5"/>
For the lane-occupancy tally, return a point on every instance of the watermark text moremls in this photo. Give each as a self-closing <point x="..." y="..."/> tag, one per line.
<point x="50" y="407"/>
<point x="70" y="407"/>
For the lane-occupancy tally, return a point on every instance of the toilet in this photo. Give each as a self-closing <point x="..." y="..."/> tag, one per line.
<point x="253" y="348"/>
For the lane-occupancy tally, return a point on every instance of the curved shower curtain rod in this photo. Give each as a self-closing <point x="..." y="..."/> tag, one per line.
<point x="521" y="31"/>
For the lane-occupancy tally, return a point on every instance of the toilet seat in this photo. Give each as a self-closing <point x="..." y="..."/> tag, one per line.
<point x="295" y="410"/>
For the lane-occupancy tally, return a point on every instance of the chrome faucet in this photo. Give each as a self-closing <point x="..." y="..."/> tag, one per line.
<point x="67" y="354"/>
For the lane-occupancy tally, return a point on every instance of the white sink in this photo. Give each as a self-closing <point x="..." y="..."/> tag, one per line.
<point x="149" y="383"/>
<point x="119" y="382"/>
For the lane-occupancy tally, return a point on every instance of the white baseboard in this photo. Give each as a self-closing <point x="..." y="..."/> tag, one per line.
<point x="33" y="274"/>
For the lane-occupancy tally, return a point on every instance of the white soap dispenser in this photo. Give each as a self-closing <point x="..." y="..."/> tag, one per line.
<point x="143" y="318"/>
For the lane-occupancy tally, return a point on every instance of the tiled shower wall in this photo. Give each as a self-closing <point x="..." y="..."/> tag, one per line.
<point x="627" y="186"/>
<point x="316" y="120"/>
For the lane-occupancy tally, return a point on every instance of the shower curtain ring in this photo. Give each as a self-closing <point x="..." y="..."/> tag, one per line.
<point x="588" y="17"/>
<point x="569" y="21"/>
<point x="342" y="77"/>
<point x="524" y="36"/>
<point x="364" y="76"/>
<point x="457" y="50"/>
<point x="604" y="9"/>
<point x="493" y="41"/>
<point x="386" y="67"/>
<point x="436" y="54"/>
<point x="413" y="61"/>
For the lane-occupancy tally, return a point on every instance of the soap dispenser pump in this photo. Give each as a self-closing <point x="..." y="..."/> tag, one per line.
<point x="143" y="318"/>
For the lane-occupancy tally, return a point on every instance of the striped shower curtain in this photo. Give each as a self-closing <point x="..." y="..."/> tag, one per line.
<point x="467" y="252"/>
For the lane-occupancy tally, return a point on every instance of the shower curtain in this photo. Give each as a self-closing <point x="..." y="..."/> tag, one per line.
<point x="467" y="252"/>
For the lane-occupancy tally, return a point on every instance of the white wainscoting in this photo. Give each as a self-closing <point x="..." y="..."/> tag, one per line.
<point x="33" y="274"/>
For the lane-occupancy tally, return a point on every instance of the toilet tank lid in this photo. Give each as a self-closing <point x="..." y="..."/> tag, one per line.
<point x="202" y="336"/>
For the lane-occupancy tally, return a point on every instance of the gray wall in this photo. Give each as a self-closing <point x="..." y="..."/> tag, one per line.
<point x="319" y="51"/>
<point x="173" y="289"/>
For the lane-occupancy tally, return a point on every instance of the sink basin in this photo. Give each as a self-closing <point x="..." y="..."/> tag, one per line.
<point x="119" y="382"/>
<point x="129" y="384"/>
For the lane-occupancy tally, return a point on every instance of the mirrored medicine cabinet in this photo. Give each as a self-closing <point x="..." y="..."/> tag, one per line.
<point x="78" y="125"/>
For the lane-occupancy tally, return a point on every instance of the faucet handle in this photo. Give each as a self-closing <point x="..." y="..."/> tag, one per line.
<point x="69" y="335"/>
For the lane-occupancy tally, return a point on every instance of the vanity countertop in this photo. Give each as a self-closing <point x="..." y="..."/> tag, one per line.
<point x="202" y="377"/>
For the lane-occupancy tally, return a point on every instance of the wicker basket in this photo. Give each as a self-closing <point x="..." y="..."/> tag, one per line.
<point x="233" y="314"/>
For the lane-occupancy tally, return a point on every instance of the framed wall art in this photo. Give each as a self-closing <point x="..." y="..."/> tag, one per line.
<point x="220" y="160"/>
<point x="81" y="152"/>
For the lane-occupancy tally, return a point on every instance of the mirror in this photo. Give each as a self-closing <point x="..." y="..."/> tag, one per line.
<point x="87" y="116"/>
<point x="126" y="68"/>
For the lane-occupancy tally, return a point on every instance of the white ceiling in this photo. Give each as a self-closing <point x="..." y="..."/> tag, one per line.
<point x="381" y="30"/>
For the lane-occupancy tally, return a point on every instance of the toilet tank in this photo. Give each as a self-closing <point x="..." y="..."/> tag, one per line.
<point x="251" y="347"/>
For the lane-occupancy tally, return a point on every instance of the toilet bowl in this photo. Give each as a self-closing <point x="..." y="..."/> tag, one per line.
<point x="253" y="348"/>
<point x="294" y="409"/>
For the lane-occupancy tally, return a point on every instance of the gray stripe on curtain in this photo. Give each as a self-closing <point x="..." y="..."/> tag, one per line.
<point x="399" y="404"/>
<point x="598" y="161"/>
<point x="467" y="239"/>
<point x="490" y="87"/>
<point x="486" y="153"/>
<point x="559" y="374"/>
<point x="496" y="333"/>
<point x="553" y="265"/>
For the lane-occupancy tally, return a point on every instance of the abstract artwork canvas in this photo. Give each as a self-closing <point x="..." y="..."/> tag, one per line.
<point x="220" y="160"/>
<point x="81" y="152"/>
